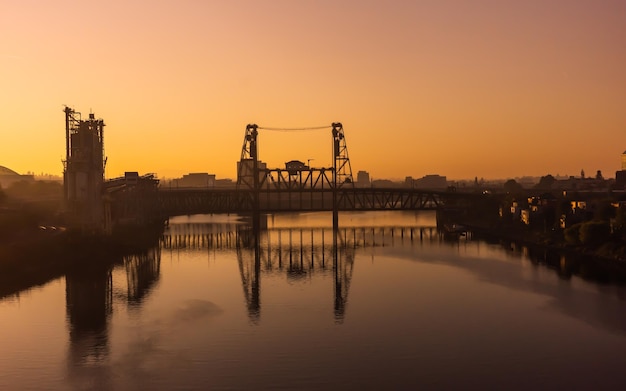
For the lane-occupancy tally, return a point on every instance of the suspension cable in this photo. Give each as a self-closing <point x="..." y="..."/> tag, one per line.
<point x="295" y="129"/>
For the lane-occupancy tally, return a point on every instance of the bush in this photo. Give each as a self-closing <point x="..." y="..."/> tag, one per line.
<point x="572" y="234"/>
<point x="594" y="233"/>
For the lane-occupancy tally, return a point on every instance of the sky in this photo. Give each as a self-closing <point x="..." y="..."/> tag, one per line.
<point x="488" y="89"/>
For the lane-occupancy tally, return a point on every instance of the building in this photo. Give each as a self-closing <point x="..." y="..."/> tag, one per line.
<point x="432" y="182"/>
<point x="195" y="179"/>
<point x="363" y="179"/>
<point x="620" y="176"/>
<point x="225" y="183"/>
<point x="245" y="170"/>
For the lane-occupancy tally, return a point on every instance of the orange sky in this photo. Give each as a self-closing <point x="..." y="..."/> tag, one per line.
<point x="493" y="89"/>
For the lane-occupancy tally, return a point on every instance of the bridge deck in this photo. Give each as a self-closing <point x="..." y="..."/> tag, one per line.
<point x="195" y="201"/>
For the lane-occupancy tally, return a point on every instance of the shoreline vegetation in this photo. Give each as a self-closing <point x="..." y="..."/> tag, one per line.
<point x="569" y="260"/>
<point x="591" y="231"/>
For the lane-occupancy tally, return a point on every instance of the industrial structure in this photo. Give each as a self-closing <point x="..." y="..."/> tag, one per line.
<point x="83" y="172"/>
<point x="93" y="205"/>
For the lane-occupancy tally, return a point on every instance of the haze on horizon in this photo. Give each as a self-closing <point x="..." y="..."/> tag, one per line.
<point x="493" y="89"/>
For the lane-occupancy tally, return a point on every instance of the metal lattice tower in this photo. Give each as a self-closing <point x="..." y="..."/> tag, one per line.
<point x="341" y="161"/>
<point x="248" y="164"/>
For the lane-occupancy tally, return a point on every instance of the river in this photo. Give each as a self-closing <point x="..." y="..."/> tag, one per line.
<point x="383" y="303"/>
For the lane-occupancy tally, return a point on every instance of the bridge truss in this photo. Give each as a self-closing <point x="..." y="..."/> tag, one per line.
<point x="299" y="188"/>
<point x="253" y="175"/>
<point x="173" y="202"/>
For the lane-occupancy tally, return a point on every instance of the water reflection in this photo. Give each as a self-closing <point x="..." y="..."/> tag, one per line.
<point x="142" y="274"/>
<point x="300" y="253"/>
<point x="250" y="270"/>
<point x="89" y="307"/>
<point x="599" y="305"/>
<point x="297" y="254"/>
<point x="420" y="311"/>
<point x="89" y="304"/>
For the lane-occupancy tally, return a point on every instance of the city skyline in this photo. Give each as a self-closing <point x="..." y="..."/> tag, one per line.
<point x="488" y="89"/>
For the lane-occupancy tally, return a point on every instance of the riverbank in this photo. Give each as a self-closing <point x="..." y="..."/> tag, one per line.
<point x="35" y="257"/>
<point x="550" y="247"/>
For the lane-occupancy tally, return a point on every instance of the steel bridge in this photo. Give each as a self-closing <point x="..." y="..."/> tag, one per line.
<point x="298" y="187"/>
<point x="175" y="202"/>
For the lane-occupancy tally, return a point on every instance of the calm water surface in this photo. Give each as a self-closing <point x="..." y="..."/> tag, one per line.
<point x="386" y="303"/>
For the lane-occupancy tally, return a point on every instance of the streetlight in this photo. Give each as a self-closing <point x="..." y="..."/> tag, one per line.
<point x="308" y="163"/>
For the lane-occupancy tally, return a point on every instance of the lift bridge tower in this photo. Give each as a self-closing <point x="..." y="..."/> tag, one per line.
<point x="253" y="175"/>
<point x="83" y="173"/>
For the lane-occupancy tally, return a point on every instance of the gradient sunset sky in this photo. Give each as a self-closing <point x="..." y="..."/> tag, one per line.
<point x="494" y="89"/>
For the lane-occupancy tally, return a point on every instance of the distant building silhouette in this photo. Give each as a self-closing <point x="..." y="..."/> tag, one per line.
<point x="195" y="179"/>
<point x="363" y="179"/>
<point x="245" y="170"/>
<point x="432" y="182"/>
<point x="580" y="183"/>
<point x="620" y="179"/>
<point x="385" y="183"/>
<point x="225" y="182"/>
<point x="620" y="176"/>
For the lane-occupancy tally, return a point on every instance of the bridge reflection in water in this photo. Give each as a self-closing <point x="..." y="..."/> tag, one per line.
<point x="90" y="296"/>
<point x="299" y="253"/>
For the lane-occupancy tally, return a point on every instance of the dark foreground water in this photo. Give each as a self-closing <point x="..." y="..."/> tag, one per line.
<point x="386" y="303"/>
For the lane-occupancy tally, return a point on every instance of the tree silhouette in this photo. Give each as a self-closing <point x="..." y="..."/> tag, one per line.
<point x="511" y="186"/>
<point x="546" y="182"/>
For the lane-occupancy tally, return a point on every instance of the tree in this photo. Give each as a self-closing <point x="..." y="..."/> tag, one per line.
<point x="511" y="186"/>
<point x="594" y="233"/>
<point x="546" y="182"/>
<point x="603" y="210"/>
<point x="572" y="234"/>
<point x="619" y="225"/>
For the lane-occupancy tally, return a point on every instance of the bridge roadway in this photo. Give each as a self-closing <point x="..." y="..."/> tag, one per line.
<point x="186" y="201"/>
